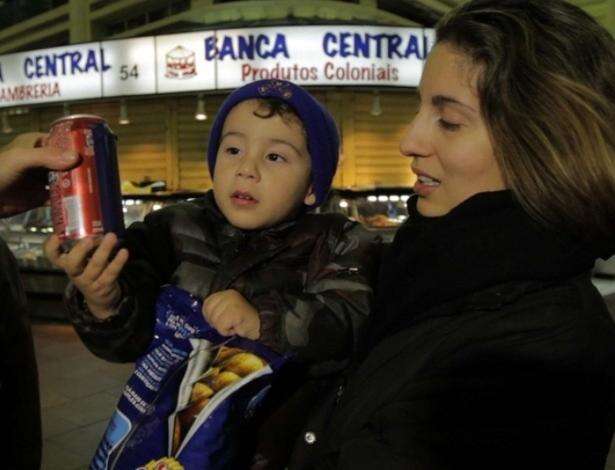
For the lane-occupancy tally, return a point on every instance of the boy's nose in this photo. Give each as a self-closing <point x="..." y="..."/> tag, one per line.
<point x="247" y="169"/>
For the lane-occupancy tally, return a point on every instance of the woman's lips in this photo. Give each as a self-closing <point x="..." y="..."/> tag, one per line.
<point x="425" y="184"/>
<point x="423" y="189"/>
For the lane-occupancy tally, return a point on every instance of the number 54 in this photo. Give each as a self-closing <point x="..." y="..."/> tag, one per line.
<point x="126" y="72"/>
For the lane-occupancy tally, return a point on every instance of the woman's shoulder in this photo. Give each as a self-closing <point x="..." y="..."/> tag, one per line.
<point x="560" y="322"/>
<point x="570" y="300"/>
<point x="567" y="318"/>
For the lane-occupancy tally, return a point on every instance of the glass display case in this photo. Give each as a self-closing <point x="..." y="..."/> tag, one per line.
<point x="605" y="268"/>
<point x="381" y="210"/>
<point x="26" y="233"/>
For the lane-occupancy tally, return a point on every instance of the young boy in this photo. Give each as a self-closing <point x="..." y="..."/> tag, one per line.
<point x="266" y="268"/>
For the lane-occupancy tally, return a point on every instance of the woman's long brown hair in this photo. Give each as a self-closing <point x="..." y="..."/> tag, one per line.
<point x="547" y="93"/>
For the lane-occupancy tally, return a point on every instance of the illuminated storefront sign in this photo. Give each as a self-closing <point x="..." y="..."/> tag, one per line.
<point x="210" y="60"/>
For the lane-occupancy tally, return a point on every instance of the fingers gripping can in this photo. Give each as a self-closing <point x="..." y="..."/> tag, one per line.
<point x="85" y="201"/>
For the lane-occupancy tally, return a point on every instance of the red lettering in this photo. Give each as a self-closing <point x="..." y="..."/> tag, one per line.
<point x="245" y="71"/>
<point x="30" y="92"/>
<point x="329" y="67"/>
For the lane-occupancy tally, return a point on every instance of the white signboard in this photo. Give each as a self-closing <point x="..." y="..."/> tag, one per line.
<point x="58" y="74"/>
<point x="182" y="65"/>
<point x="223" y="59"/>
<point x="132" y="67"/>
<point x="317" y="55"/>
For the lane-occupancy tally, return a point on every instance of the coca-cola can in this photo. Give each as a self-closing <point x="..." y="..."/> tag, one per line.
<point x="85" y="201"/>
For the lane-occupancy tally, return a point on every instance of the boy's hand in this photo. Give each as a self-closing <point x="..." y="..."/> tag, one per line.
<point x="95" y="276"/>
<point x="231" y="314"/>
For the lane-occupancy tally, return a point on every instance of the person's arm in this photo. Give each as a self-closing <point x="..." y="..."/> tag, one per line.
<point x="120" y="329"/>
<point x="324" y="324"/>
<point x="23" y="172"/>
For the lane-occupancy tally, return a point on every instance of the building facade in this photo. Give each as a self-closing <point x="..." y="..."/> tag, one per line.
<point x="163" y="140"/>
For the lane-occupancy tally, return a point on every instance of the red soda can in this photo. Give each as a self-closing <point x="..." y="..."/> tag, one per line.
<point x="85" y="201"/>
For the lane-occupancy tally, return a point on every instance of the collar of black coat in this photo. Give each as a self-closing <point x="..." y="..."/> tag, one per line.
<point x="231" y="233"/>
<point x="480" y="250"/>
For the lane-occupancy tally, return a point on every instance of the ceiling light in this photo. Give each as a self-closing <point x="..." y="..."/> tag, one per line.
<point x="200" y="114"/>
<point x="376" y="108"/>
<point x="123" y="113"/>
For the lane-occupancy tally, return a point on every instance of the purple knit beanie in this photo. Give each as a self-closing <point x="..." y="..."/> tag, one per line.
<point x="322" y="136"/>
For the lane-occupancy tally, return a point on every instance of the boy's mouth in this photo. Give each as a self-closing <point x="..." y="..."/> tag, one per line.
<point x="243" y="198"/>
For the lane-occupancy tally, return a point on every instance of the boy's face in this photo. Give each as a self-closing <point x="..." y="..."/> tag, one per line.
<point x="262" y="171"/>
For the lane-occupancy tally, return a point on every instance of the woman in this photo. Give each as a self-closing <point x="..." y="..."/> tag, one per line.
<point x="490" y="347"/>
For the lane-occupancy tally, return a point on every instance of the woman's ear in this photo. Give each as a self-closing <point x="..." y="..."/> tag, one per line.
<point x="310" y="197"/>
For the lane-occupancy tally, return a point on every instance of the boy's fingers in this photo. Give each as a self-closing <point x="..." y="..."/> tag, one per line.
<point x="211" y="299"/>
<point x="100" y="259"/>
<point x="214" y="317"/>
<point x="224" y="320"/>
<point x="240" y="329"/>
<point x="212" y="304"/>
<point x="109" y="276"/>
<point x="246" y="331"/>
<point x="229" y="321"/>
<point x="225" y="330"/>
<point x="206" y="309"/>
<point x="74" y="260"/>
<point x="52" y="250"/>
<point x="113" y="270"/>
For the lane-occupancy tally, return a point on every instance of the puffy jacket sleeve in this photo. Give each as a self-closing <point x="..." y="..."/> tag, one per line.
<point x="126" y="335"/>
<point x="323" y="325"/>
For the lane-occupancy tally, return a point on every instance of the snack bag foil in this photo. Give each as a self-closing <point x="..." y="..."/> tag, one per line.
<point x="189" y="395"/>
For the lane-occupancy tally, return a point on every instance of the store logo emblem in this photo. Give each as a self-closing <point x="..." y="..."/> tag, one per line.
<point x="180" y="63"/>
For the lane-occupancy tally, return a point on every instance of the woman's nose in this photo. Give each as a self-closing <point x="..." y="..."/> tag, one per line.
<point x="414" y="142"/>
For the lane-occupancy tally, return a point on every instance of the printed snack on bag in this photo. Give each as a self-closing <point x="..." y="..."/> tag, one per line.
<point x="189" y="396"/>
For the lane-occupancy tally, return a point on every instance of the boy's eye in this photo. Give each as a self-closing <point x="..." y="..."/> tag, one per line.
<point x="448" y="126"/>
<point x="275" y="157"/>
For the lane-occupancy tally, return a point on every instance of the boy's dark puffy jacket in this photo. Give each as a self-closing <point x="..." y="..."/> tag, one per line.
<point x="308" y="279"/>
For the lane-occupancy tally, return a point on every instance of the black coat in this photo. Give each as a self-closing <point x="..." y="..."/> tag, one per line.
<point x="490" y="349"/>
<point x="307" y="278"/>
<point x="19" y="395"/>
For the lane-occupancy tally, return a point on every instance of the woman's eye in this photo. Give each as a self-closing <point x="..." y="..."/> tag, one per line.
<point x="232" y="150"/>
<point x="274" y="157"/>
<point x="448" y="126"/>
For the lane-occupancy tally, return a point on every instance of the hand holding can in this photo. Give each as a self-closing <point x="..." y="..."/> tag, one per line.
<point x="86" y="204"/>
<point x="93" y="269"/>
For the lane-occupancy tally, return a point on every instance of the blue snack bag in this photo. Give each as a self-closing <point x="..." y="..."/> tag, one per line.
<point x="189" y="396"/>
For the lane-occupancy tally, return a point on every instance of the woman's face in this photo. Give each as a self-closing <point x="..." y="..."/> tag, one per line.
<point x="452" y="153"/>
